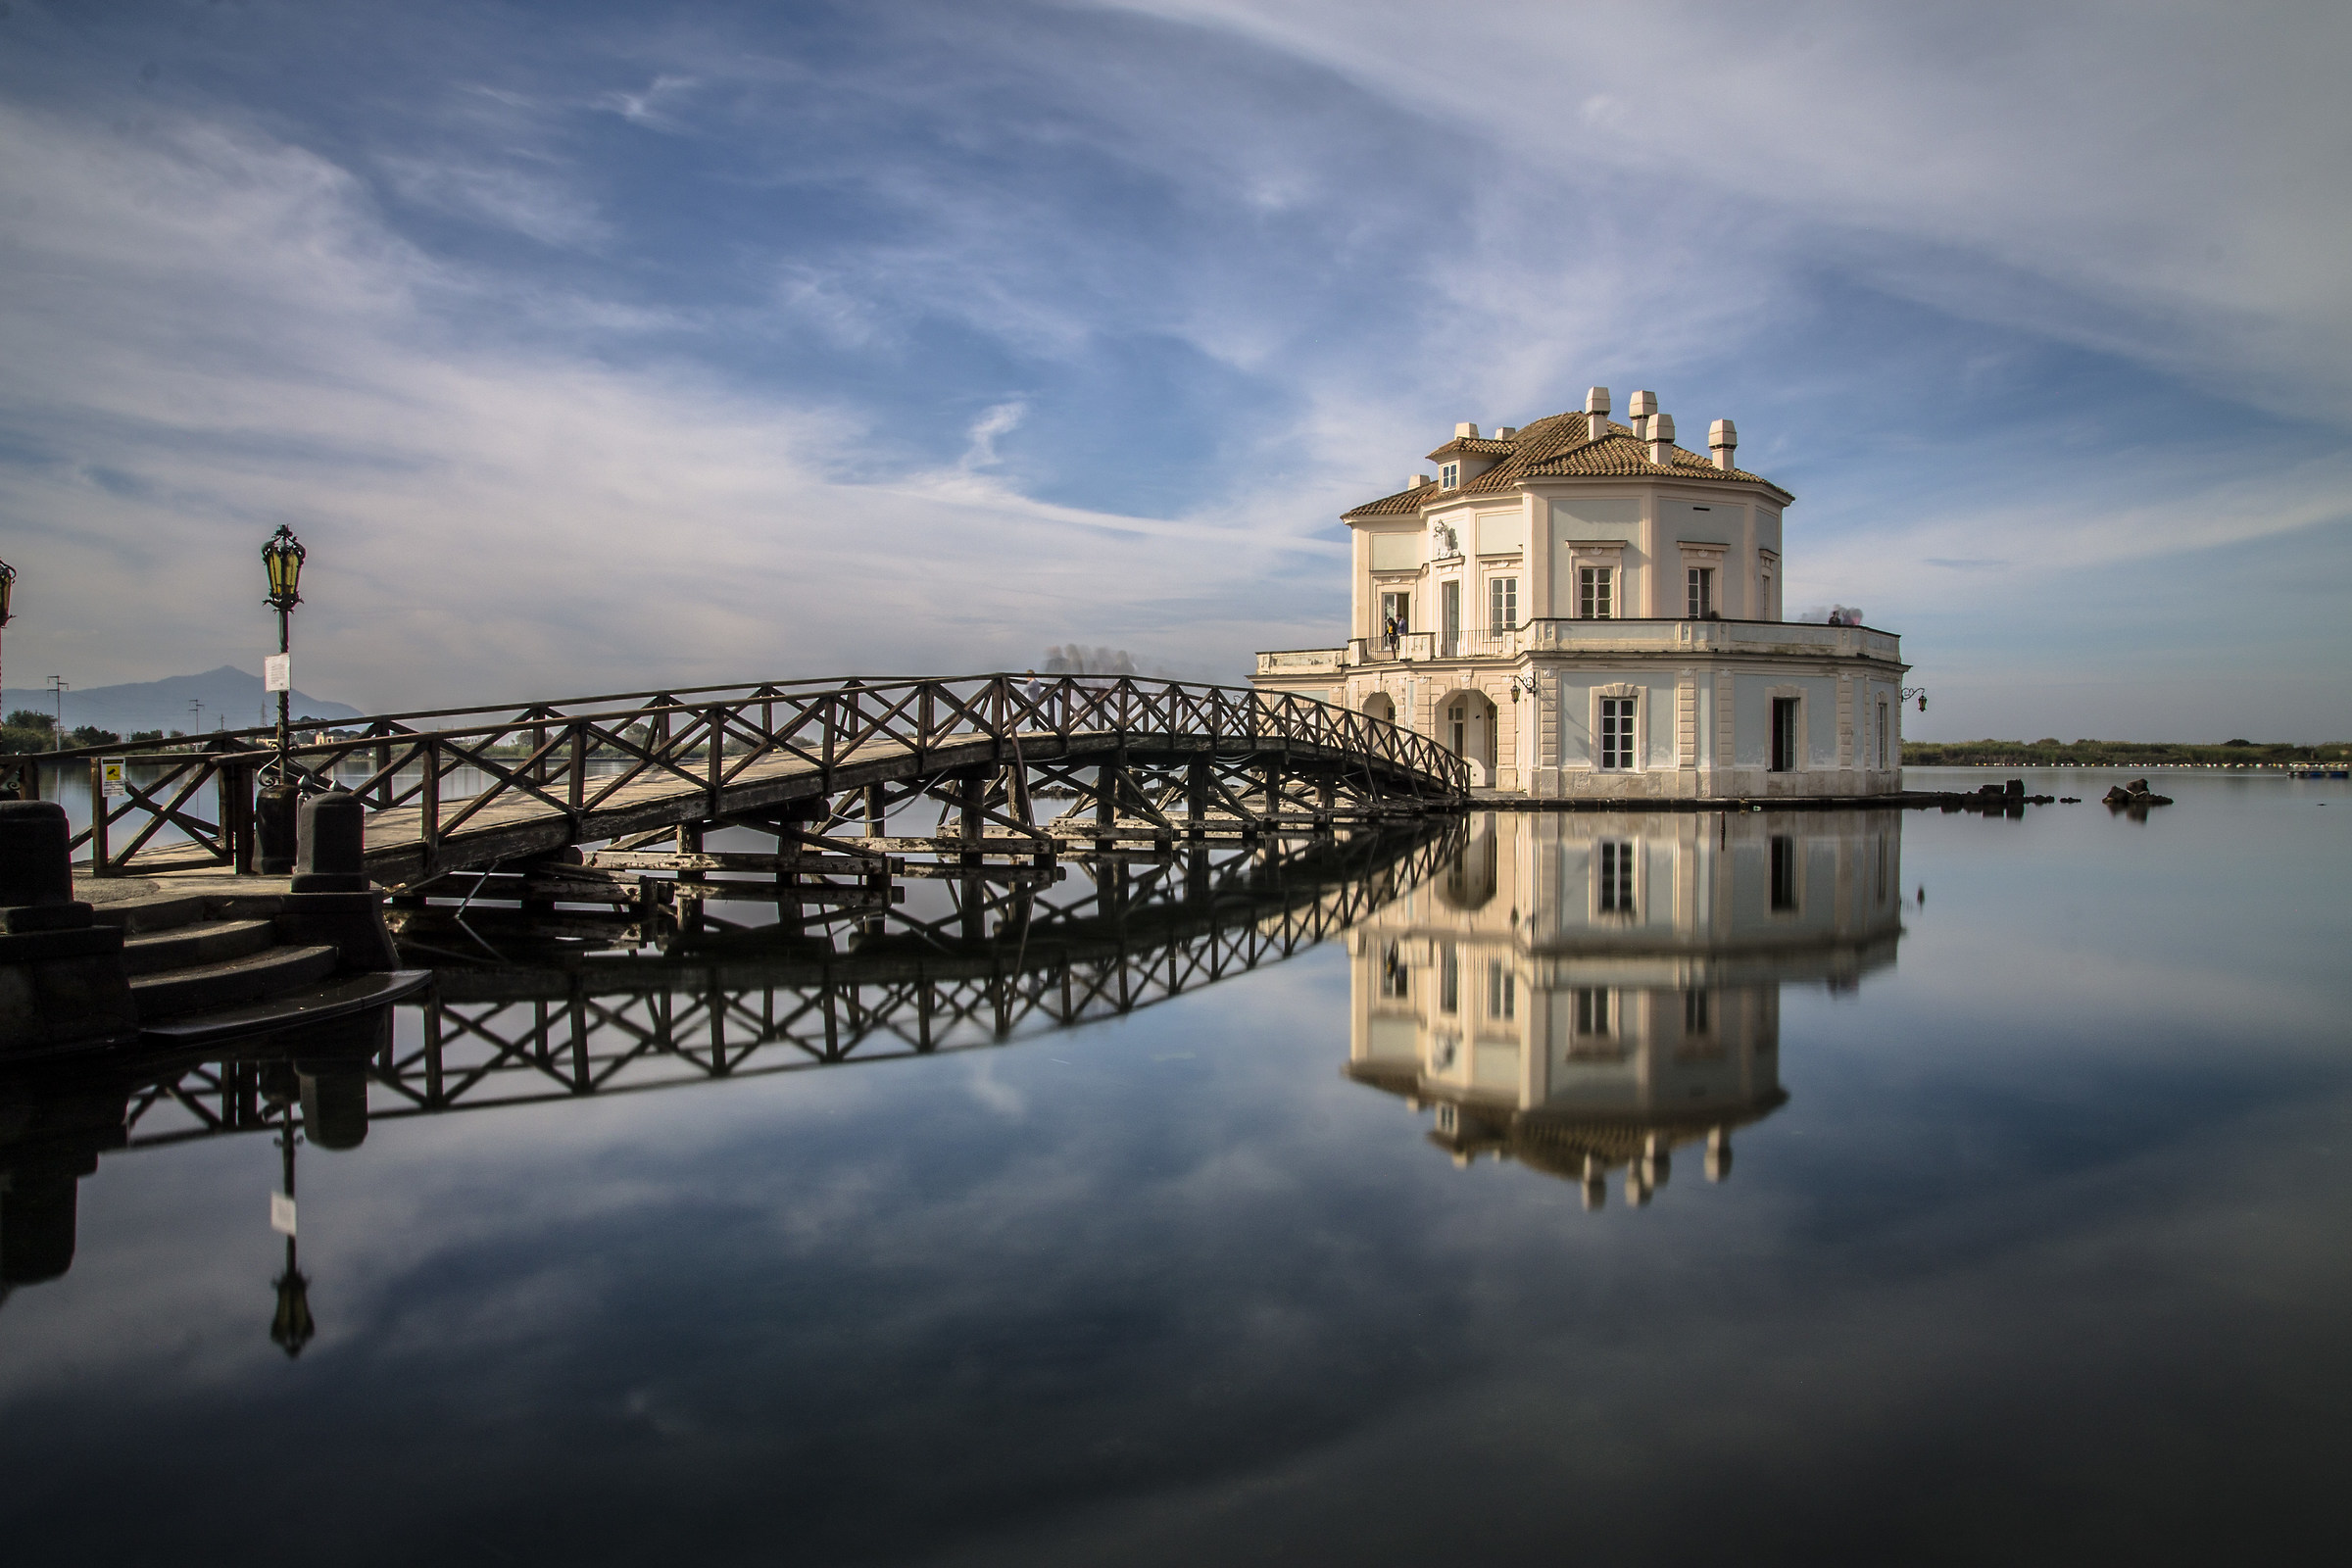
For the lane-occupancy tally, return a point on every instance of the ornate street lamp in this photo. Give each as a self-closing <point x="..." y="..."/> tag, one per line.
<point x="1920" y="692"/>
<point x="282" y="555"/>
<point x="8" y="580"/>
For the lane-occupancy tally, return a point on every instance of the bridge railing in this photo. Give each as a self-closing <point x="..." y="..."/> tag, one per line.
<point x="191" y="802"/>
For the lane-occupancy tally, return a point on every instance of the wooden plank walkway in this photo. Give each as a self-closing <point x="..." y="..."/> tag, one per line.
<point x="514" y="825"/>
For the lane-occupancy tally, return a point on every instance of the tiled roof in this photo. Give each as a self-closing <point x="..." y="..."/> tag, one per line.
<point x="1559" y="448"/>
<point x="1475" y="446"/>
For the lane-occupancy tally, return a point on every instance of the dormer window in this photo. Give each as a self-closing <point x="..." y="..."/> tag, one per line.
<point x="1450" y="476"/>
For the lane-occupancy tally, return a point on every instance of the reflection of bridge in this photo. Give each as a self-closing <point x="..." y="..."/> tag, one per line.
<point x="1586" y="993"/>
<point x="567" y="1023"/>
<point x="476" y="787"/>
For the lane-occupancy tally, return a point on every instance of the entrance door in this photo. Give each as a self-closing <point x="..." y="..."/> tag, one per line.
<point x="1458" y="718"/>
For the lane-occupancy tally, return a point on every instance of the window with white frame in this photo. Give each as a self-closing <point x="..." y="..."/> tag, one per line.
<point x="1617" y="732"/>
<point x="1701" y="596"/>
<point x="1613" y="876"/>
<point x="1502" y="604"/>
<point x="1450" y="475"/>
<point x="1596" y="596"/>
<point x="1502" y="990"/>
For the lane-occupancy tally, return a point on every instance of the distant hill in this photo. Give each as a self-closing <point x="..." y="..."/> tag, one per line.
<point x="231" y="699"/>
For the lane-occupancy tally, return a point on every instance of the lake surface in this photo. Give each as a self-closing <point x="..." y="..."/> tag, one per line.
<point x="1887" y="1187"/>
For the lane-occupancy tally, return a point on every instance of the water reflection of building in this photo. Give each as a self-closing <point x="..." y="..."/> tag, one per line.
<point x="1585" y="993"/>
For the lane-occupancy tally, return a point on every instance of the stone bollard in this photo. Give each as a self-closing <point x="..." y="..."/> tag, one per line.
<point x="331" y="900"/>
<point x="37" y="868"/>
<point x="275" y="813"/>
<point x="331" y="845"/>
<point x="62" y="979"/>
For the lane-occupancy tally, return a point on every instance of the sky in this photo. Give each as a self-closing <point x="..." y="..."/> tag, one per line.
<point x="596" y="348"/>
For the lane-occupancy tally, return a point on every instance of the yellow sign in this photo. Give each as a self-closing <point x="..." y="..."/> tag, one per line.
<point x="114" y="777"/>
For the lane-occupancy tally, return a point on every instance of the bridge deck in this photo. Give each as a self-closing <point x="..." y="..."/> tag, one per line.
<point x="537" y="780"/>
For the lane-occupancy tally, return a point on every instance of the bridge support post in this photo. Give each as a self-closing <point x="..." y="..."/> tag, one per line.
<point x="1195" y="794"/>
<point x="968" y="791"/>
<point x="1106" y="783"/>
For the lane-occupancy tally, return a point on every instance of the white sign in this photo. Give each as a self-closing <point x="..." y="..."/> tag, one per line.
<point x="111" y="779"/>
<point x="278" y="672"/>
<point x="281" y="1213"/>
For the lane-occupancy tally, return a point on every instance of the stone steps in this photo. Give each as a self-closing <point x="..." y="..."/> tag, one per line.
<point x="229" y="984"/>
<point x="201" y="944"/>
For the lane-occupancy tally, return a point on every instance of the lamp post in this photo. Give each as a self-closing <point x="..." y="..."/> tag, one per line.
<point x="282" y="555"/>
<point x="277" y="805"/>
<point x="8" y="580"/>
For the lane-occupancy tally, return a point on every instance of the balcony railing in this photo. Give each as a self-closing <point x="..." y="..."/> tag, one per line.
<point x="1628" y="635"/>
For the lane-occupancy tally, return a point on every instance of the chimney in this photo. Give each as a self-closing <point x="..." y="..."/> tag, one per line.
<point x="1503" y="432"/>
<point x="1465" y="432"/>
<point x="1596" y="413"/>
<point x="1661" y="439"/>
<point x="1414" y="481"/>
<point x="1723" y="439"/>
<point x="1639" y="412"/>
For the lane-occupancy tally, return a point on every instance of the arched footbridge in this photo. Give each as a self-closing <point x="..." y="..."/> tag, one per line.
<point x="825" y="765"/>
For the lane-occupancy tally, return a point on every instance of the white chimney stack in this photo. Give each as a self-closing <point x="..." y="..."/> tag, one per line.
<point x="1465" y="432"/>
<point x="1723" y="439"/>
<point x="1596" y="413"/>
<point x="1661" y="436"/>
<point x="1414" y="481"/>
<point x="1639" y="412"/>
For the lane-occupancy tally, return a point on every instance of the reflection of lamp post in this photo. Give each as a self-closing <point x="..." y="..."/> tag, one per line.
<point x="283" y="553"/>
<point x="292" y="1327"/>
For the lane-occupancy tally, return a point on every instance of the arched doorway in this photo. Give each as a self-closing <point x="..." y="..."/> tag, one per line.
<point x="1467" y="722"/>
<point x="1378" y="706"/>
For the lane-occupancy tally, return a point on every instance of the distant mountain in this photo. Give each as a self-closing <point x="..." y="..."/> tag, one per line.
<point x="231" y="699"/>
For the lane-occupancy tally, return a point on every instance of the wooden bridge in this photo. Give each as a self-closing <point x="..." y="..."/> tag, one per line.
<point x="820" y="764"/>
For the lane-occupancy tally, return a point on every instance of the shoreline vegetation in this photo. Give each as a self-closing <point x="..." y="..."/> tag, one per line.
<point x="2053" y="753"/>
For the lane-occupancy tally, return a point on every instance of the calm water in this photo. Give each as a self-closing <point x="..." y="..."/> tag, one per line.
<point x="2034" y="1141"/>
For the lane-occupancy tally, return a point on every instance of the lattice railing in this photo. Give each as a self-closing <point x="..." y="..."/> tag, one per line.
<point x="453" y="766"/>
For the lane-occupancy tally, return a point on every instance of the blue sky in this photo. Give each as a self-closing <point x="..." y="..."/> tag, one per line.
<point x="598" y="347"/>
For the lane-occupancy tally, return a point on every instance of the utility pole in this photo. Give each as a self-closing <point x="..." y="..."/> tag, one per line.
<point x="195" y="716"/>
<point x="57" y="691"/>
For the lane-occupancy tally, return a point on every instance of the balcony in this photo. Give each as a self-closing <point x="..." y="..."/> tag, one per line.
<point x="1600" y="637"/>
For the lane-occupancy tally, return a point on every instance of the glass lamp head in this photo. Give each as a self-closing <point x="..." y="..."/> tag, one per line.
<point x="8" y="580"/>
<point x="282" y="555"/>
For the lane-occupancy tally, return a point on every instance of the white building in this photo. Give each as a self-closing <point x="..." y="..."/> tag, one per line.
<point x="1584" y="609"/>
